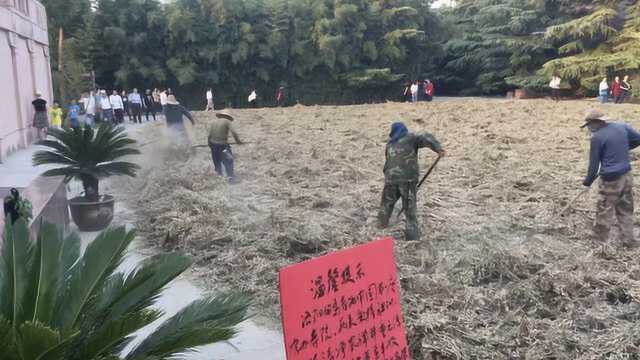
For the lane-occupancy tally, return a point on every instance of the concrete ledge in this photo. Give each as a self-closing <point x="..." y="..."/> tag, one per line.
<point x="48" y="195"/>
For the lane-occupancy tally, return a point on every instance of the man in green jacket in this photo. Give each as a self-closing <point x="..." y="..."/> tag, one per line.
<point x="219" y="143"/>
<point x="401" y="174"/>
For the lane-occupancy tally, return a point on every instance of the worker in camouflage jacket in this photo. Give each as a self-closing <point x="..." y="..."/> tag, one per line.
<point x="401" y="174"/>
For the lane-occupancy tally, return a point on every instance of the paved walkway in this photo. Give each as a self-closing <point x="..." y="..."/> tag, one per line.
<point x="17" y="169"/>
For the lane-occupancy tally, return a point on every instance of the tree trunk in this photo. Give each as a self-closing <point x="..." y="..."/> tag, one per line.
<point x="91" y="189"/>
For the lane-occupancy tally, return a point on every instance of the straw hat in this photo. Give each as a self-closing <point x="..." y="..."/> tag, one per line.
<point x="224" y="114"/>
<point x="593" y="114"/>
<point x="171" y="100"/>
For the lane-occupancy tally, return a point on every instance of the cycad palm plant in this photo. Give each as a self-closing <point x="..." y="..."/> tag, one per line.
<point x="58" y="304"/>
<point x="88" y="155"/>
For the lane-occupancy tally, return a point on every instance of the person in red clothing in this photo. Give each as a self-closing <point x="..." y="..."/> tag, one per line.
<point x="616" y="90"/>
<point x="428" y="90"/>
<point x="280" y="96"/>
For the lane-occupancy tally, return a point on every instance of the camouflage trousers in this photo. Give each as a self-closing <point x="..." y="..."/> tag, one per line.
<point x="615" y="197"/>
<point x="390" y="195"/>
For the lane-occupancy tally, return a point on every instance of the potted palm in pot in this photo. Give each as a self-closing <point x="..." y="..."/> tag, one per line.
<point x="88" y="155"/>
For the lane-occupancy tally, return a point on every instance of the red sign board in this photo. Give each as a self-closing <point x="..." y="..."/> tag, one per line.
<point x="344" y="305"/>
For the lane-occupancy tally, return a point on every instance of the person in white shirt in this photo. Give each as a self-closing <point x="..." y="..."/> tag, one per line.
<point x="209" y="100"/>
<point x="118" y="106"/>
<point x="89" y="104"/>
<point x="414" y="92"/>
<point x="252" y="99"/>
<point x="555" y="87"/>
<point x="603" y="91"/>
<point x="135" y="104"/>
<point x="105" y="106"/>
<point x="163" y="100"/>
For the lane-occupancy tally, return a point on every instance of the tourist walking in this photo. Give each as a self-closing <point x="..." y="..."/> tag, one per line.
<point x="218" y="141"/>
<point x="118" y="107"/>
<point x="105" y="106"/>
<point x="280" y="96"/>
<point x="428" y="90"/>
<point x="135" y="105"/>
<point x="56" y="115"/>
<point x="616" y="90"/>
<point x="74" y="114"/>
<point x="209" y="96"/>
<point x="125" y="104"/>
<point x="401" y="173"/>
<point x="555" y="83"/>
<point x="625" y="88"/>
<point x="89" y="104"/>
<point x="40" y="118"/>
<point x="150" y="104"/>
<point x="609" y="159"/>
<point x="253" y="99"/>
<point x="414" y="92"/>
<point x="603" y="91"/>
<point x="175" y="124"/>
<point x="406" y="93"/>
<point x="163" y="100"/>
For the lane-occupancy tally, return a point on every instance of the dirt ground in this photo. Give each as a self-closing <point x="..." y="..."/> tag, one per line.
<point x="498" y="269"/>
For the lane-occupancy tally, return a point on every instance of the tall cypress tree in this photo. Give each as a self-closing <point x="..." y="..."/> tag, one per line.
<point x="598" y="39"/>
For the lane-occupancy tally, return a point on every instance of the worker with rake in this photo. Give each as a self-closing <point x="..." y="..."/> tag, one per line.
<point x="609" y="159"/>
<point x="219" y="143"/>
<point x="173" y="113"/>
<point x="401" y="173"/>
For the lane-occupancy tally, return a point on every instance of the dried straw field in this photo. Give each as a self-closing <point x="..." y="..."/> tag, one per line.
<point x="497" y="269"/>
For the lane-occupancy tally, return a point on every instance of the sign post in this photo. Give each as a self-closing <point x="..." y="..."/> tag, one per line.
<point x="344" y="305"/>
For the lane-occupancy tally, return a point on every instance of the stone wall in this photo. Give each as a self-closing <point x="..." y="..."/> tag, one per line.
<point x="24" y="69"/>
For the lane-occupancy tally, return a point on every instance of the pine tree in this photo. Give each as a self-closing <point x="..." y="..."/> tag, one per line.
<point x="602" y="40"/>
<point x="496" y="47"/>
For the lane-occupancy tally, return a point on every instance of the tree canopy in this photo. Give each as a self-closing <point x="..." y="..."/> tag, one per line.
<point x="344" y="51"/>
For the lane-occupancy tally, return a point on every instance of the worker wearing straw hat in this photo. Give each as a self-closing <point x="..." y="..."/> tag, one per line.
<point x="174" y="114"/>
<point x="609" y="159"/>
<point x="221" y="153"/>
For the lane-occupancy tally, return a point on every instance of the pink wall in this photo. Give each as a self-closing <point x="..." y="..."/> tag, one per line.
<point x="24" y="68"/>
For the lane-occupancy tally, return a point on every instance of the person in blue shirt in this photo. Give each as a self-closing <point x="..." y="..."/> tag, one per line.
<point x="609" y="159"/>
<point x="135" y="105"/>
<point x="74" y="113"/>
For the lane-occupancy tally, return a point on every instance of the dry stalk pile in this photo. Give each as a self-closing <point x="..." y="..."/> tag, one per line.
<point x="497" y="268"/>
